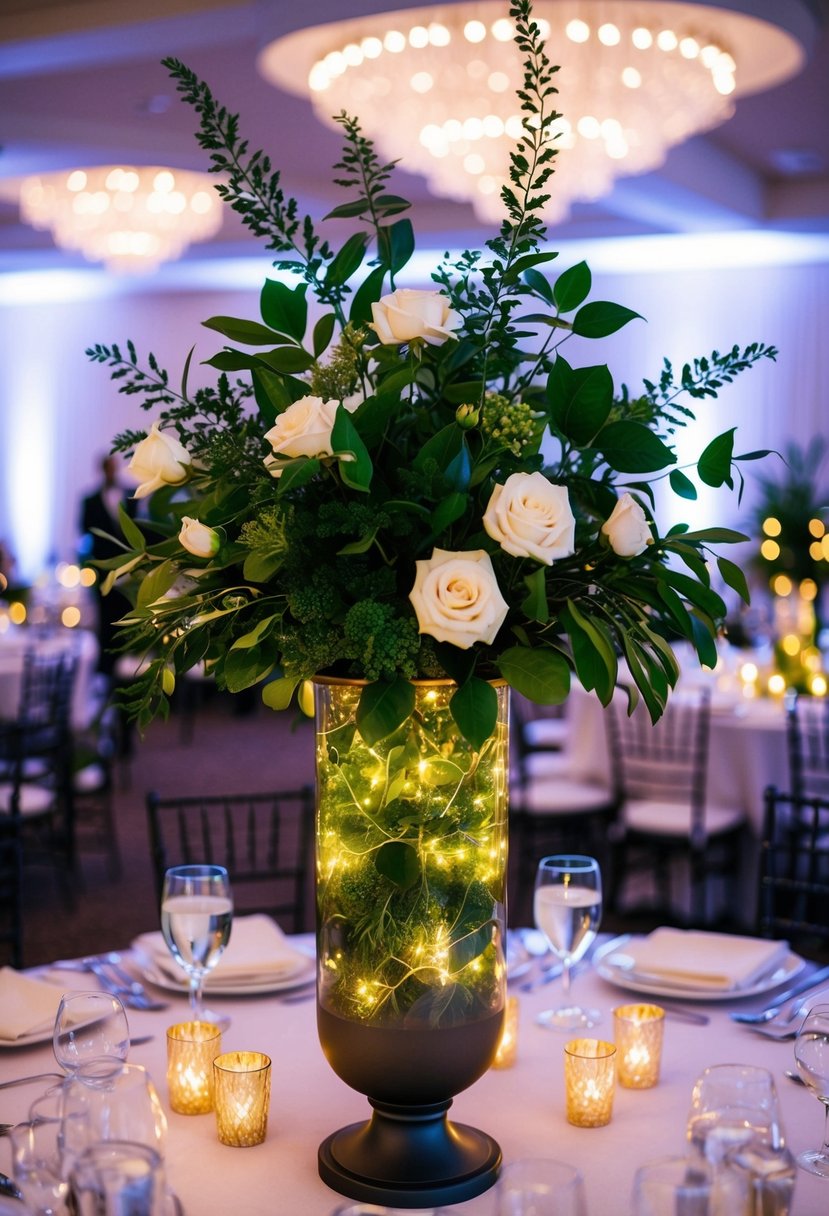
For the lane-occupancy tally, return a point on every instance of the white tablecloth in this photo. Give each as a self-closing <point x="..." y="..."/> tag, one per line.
<point x="522" y="1107"/>
<point x="17" y="640"/>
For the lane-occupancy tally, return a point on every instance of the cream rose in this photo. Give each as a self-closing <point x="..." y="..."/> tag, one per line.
<point x="303" y="429"/>
<point x="531" y="517"/>
<point x="407" y="314"/>
<point x="159" y="460"/>
<point x="627" y="528"/>
<point x="457" y="598"/>
<point x="197" y="538"/>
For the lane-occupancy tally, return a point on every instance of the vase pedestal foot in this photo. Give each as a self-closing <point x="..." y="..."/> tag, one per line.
<point x="409" y="1157"/>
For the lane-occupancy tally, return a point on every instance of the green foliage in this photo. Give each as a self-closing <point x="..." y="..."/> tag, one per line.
<point x="320" y="543"/>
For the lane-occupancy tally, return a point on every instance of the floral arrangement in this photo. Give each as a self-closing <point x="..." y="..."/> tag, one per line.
<point x="398" y="483"/>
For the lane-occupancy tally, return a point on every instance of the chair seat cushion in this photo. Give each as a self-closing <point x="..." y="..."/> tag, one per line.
<point x="547" y="732"/>
<point x="664" y="818"/>
<point x="562" y="796"/>
<point x="34" y="799"/>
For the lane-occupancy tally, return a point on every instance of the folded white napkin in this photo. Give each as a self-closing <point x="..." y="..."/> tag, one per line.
<point x="27" y="1006"/>
<point x="257" y="950"/>
<point x="705" y="960"/>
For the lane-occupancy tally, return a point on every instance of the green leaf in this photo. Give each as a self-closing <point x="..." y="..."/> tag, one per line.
<point x="714" y="465"/>
<point x="682" y="485"/>
<point x="458" y="664"/>
<point x="298" y="473"/>
<point x="398" y="862"/>
<point x="474" y="708"/>
<point x="250" y="333"/>
<point x="535" y="605"/>
<point x="260" y="566"/>
<point x="630" y="447"/>
<point x="384" y="706"/>
<point x="367" y="293"/>
<point x="541" y="675"/>
<point x="347" y="261"/>
<point x="349" y="211"/>
<point x="527" y="262"/>
<point x="538" y="284"/>
<point x="733" y="577"/>
<point x="459" y="469"/>
<point x="346" y="442"/>
<point x="284" y="308"/>
<point x="684" y="585"/>
<point x="253" y="636"/>
<point x="359" y="546"/>
<point x="323" y="331"/>
<point x="572" y="287"/>
<point x="447" y="511"/>
<point x="704" y="642"/>
<point x="717" y="536"/>
<point x="469" y="947"/>
<point x="156" y="584"/>
<point x="593" y="652"/>
<point x="396" y="244"/>
<point x="231" y="361"/>
<point x="270" y="394"/>
<point x="442" y="447"/>
<point x="132" y="533"/>
<point x="580" y="400"/>
<point x="287" y="359"/>
<point x="277" y="693"/>
<point x="244" y="668"/>
<point x="601" y="318"/>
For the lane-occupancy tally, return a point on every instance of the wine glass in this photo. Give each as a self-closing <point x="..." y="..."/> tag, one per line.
<point x="540" y="1187"/>
<point x="196" y="915"/>
<point x="38" y="1166"/>
<point x="567" y="907"/>
<point x="91" y="1029"/>
<point x="811" y="1053"/>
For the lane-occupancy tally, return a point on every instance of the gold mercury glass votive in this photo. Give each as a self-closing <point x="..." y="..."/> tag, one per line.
<point x="507" y="1051"/>
<point x="589" y="1081"/>
<point x="638" y="1032"/>
<point x="191" y="1049"/>
<point x="242" y="1098"/>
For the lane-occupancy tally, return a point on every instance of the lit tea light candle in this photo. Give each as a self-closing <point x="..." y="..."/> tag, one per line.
<point x="639" y="1030"/>
<point x="589" y="1081"/>
<point x="507" y="1051"/>
<point x="242" y="1097"/>
<point x="191" y="1049"/>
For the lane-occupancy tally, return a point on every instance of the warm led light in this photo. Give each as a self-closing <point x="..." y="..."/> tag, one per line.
<point x="421" y="82"/>
<point x="474" y="31"/>
<point x="772" y="526"/>
<point x="609" y="35"/>
<point x="777" y="684"/>
<point x="819" y="550"/>
<point x="577" y="30"/>
<point x="818" y="686"/>
<point x="88" y="577"/>
<point x="749" y="672"/>
<point x="503" y="30"/>
<point x="17" y="612"/>
<point x="791" y="644"/>
<point x="782" y="585"/>
<point x="641" y="38"/>
<point x="770" y="550"/>
<point x="631" y="78"/>
<point x="689" y="48"/>
<point x="817" y="527"/>
<point x="808" y="589"/>
<point x="70" y="616"/>
<point x="667" y="40"/>
<point x="395" y="42"/>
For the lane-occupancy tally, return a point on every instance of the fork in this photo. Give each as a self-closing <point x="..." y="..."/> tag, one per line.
<point x="766" y="1015"/>
<point x="117" y="981"/>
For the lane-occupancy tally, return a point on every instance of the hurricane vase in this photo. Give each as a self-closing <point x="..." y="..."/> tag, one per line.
<point x="411" y="853"/>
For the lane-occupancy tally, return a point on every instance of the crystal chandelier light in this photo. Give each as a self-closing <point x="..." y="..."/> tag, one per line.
<point x="435" y="86"/>
<point x="131" y="219"/>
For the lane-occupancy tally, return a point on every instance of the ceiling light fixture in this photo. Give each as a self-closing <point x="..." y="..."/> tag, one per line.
<point x="131" y="219"/>
<point x="435" y="86"/>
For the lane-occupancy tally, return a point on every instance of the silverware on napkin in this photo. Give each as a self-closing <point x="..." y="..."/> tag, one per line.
<point x="114" y="979"/>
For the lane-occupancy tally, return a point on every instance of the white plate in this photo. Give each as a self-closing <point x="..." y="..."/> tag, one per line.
<point x="151" y="972"/>
<point x="624" y="977"/>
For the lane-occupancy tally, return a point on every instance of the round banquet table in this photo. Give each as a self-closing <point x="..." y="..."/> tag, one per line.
<point x="522" y="1107"/>
<point x="18" y="639"/>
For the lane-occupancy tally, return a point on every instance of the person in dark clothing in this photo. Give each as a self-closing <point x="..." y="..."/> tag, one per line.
<point x="99" y="513"/>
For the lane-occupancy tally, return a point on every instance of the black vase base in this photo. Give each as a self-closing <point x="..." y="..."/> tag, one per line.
<point x="409" y="1157"/>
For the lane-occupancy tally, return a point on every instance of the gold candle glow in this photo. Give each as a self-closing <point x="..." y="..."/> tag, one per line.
<point x="507" y="1051"/>
<point x="589" y="1081"/>
<point x="638" y="1031"/>
<point x="242" y="1097"/>
<point x="191" y="1049"/>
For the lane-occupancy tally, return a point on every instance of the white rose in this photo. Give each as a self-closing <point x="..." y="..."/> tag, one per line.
<point x="304" y="428"/>
<point x="457" y="599"/>
<point x="197" y="538"/>
<point x="159" y="460"/>
<point x="407" y="314"/>
<point x="531" y="517"/>
<point x="627" y="528"/>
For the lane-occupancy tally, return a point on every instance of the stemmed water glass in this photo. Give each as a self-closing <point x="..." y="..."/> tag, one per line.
<point x="91" y="1031"/>
<point x="811" y="1053"/>
<point x="567" y="907"/>
<point x="196" y="915"/>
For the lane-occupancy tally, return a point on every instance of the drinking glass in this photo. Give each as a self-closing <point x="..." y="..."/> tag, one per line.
<point x="117" y="1178"/>
<point x="540" y="1187"/>
<point x="38" y="1166"/>
<point x="90" y="1027"/>
<point x="674" y="1185"/>
<point x="121" y="1106"/>
<point x="567" y="907"/>
<point x="811" y="1053"/>
<point x="196" y="914"/>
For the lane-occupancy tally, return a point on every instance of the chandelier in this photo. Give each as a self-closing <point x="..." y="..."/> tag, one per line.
<point x="131" y="219"/>
<point x="435" y="86"/>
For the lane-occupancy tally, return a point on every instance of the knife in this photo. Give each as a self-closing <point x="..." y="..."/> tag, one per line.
<point x="809" y="981"/>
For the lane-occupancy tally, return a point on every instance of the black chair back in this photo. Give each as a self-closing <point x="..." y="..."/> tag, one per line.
<point x="265" y="842"/>
<point x="807" y="725"/>
<point x="794" y="870"/>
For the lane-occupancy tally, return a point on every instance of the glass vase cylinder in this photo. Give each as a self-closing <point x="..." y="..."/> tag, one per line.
<point x="411" y="840"/>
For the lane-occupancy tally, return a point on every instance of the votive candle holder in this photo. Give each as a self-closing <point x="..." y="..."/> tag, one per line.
<point x="507" y="1051"/>
<point x="191" y="1049"/>
<point x="242" y="1098"/>
<point x="589" y="1081"/>
<point x="639" y="1029"/>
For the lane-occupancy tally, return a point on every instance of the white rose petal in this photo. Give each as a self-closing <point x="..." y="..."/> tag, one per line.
<point x="197" y="538"/>
<point x="627" y="528"/>
<point x="159" y="460"/>
<point x="531" y="517"/>
<point x="303" y="429"/>
<point x="407" y="314"/>
<point x="457" y="599"/>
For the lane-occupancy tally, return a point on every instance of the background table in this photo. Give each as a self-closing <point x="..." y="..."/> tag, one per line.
<point x="522" y="1107"/>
